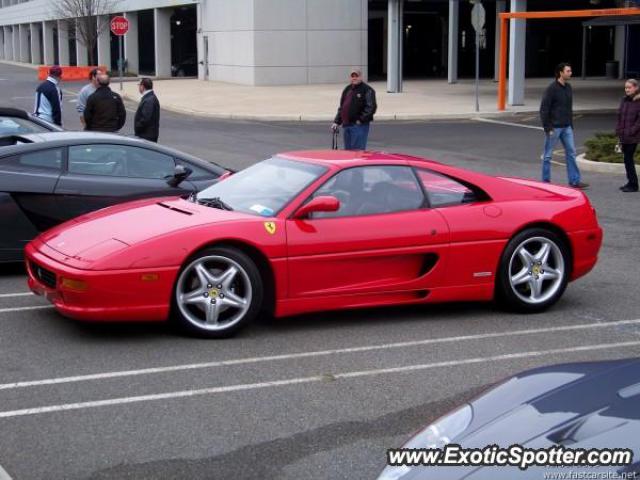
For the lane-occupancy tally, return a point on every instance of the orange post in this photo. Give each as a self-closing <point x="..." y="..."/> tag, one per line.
<point x="502" y="74"/>
<point x="504" y="28"/>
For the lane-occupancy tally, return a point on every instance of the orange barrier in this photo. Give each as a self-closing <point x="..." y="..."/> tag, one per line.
<point x="69" y="73"/>
<point x="504" y="29"/>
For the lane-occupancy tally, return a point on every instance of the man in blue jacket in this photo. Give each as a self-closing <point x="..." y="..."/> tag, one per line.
<point x="48" y="105"/>
<point x="556" y="114"/>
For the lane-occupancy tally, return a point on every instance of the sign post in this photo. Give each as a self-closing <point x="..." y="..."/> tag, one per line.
<point x="478" y="16"/>
<point x="120" y="27"/>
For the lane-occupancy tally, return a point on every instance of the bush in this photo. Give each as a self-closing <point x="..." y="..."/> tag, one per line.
<point x="600" y="148"/>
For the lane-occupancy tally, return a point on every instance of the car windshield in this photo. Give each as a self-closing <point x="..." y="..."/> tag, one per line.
<point x="17" y="126"/>
<point x="262" y="189"/>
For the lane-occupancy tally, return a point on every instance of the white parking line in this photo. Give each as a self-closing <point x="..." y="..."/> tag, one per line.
<point x="312" y="379"/>
<point x="319" y="353"/>
<point x="20" y="309"/>
<point x="509" y="124"/>
<point x="3" y="474"/>
<point x="21" y="294"/>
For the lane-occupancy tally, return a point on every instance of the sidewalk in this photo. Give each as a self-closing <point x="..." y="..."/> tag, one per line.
<point x="420" y="100"/>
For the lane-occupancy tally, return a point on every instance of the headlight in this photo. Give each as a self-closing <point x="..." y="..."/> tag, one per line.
<point x="437" y="435"/>
<point x="444" y="430"/>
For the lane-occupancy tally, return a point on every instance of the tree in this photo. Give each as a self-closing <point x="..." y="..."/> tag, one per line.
<point x="86" y="20"/>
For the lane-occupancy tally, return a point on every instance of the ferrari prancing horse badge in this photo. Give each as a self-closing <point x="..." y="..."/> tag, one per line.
<point x="270" y="227"/>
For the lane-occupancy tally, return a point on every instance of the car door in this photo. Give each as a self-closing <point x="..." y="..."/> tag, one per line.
<point x="99" y="175"/>
<point x="476" y="226"/>
<point x="27" y="184"/>
<point x="382" y="238"/>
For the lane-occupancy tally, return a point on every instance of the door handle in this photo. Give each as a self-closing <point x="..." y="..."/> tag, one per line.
<point x="68" y="192"/>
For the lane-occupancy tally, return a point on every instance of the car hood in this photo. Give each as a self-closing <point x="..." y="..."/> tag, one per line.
<point x="583" y="405"/>
<point x="106" y="231"/>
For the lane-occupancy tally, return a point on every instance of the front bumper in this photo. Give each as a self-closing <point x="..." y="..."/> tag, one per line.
<point x="109" y="295"/>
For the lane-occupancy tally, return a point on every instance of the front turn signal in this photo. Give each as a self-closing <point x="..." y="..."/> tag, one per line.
<point x="71" y="284"/>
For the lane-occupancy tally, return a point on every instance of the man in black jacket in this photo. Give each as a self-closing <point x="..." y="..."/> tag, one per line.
<point x="356" y="110"/>
<point x="147" y="120"/>
<point x="104" y="111"/>
<point x="556" y="113"/>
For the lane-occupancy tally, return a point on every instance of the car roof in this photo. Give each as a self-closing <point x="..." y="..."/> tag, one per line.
<point x="34" y="141"/>
<point x="13" y="112"/>
<point x="342" y="158"/>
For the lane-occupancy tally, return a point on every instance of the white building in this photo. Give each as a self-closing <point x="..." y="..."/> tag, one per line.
<point x="279" y="42"/>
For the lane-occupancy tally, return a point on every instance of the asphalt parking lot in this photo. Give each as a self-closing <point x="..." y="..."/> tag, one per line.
<point x="316" y="396"/>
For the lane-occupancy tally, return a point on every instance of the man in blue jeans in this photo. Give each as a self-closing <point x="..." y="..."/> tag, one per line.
<point x="556" y="113"/>
<point x="356" y="110"/>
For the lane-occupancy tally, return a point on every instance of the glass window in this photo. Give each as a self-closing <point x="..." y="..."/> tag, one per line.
<point x="43" y="159"/>
<point x="119" y="161"/>
<point x="444" y="191"/>
<point x="372" y="190"/>
<point x="18" y="126"/>
<point x="266" y="187"/>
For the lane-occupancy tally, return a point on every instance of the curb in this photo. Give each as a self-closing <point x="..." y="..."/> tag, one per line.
<point x="599" y="167"/>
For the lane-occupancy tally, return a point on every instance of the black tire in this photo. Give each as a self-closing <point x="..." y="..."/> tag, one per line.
<point x="205" y="309"/>
<point x="534" y="286"/>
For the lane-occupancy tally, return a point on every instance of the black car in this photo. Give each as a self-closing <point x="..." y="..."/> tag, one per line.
<point x="49" y="178"/>
<point x="14" y="121"/>
<point x="592" y="405"/>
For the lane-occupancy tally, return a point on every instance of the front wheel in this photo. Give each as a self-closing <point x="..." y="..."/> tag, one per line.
<point x="534" y="270"/>
<point x="217" y="293"/>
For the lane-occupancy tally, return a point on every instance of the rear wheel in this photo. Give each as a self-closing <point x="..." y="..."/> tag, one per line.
<point x="217" y="293"/>
<point x="534" y="270"/>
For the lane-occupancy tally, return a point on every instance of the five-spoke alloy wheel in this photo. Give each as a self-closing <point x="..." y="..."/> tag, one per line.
<point x="534" y="270"/>
<point x="217" y="292"/>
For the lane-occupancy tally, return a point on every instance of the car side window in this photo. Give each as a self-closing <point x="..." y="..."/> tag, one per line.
<point x="444" y="191"/>
<point x="372" y="190"/>
<point x="50" y="159"/>
<point x="119" y="161"/>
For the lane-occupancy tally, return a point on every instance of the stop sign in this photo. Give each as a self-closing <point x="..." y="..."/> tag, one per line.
<point x="119" y="25"/>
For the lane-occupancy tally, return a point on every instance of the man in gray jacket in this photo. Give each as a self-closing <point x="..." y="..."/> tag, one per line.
<point x="86" y="92"/>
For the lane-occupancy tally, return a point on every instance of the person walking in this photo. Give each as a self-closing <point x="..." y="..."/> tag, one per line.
<point x="556" y="113"/>
<point x="355" y="112"/>
<point x="147" y="119"/>
<point x="86" y="92"/>
<point x="48" y="104"/>
<point x="105" y="110"/>
<point x="628" y="131"/>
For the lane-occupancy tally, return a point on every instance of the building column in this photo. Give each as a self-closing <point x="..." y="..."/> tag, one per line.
<point x="8" y="43"/>
<point x="619" y="49"/>
<point x="131" y="50"/>
<point x="394" y="49"/>
<point x="501" y="6"/>
<point x="16" y="43"/>
<point x="47" y="43"/>
<point x="36" y="50"/>
<point x="2" y="54"/>
<point x="82" y="54"/>
<point x="23" y="42"/>
<point x="454" y="27"/>
<point x="63" y="42"/>
<point x="162" y="34"/>
<point x="104" y="42"/>
<point x="517" y="52"/>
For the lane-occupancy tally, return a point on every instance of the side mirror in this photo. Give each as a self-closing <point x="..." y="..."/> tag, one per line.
<point x="180" y="173"/>
<point x="318" y="204"/>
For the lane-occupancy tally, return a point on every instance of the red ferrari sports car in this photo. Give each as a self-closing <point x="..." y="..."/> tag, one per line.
<point x="319" y="230"/>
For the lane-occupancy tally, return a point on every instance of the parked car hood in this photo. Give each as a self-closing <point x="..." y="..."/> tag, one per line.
<point x="110" y="229"/>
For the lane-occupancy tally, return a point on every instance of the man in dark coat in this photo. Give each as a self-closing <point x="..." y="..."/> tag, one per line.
<point x="104" y="111"/>
<point x="628" y="131"/>
<point x="147" y="120"/>
<point x="556" y="114"/>
<point x="356" y="110"/>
